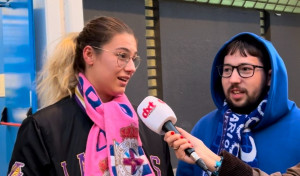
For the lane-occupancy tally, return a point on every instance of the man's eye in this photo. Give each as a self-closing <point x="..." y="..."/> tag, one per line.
<point x="246" y="68"/>
<point x="226" y="69"/>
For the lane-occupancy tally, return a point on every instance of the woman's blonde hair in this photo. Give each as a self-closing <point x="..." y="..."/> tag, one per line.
<point x="59" y="76"/>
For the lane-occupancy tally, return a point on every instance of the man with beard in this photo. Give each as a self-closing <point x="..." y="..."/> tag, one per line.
<point x="254" y="120"/>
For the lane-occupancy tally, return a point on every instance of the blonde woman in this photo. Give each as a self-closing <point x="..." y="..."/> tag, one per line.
<point x="88" y="126"/>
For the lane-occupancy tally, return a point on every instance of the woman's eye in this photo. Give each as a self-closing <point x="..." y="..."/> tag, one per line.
<point x="123" y="55"/>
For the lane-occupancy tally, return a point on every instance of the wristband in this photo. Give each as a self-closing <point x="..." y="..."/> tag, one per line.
<point x="217" y="166"/>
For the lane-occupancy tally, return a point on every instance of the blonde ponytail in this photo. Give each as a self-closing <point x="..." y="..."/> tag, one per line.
<point x="58" y="77"/>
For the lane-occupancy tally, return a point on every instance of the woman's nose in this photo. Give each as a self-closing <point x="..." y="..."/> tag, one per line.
<point x="130" y="66"/>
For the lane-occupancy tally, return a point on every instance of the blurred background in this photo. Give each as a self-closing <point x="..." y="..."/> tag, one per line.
<point x="177" y="40"/>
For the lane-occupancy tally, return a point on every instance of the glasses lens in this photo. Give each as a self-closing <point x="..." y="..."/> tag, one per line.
<point x="124" y="58"/>
<point x="246" y="70"/>
<point x="226" y="71"/>
<point x="136" y="61"/>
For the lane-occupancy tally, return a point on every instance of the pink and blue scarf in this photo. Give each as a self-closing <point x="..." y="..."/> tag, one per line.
<point x="234" y="133"/>
<point x="113" y="145"/>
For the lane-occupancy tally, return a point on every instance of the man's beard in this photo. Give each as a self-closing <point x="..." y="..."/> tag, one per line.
<point x="250" y="104"/>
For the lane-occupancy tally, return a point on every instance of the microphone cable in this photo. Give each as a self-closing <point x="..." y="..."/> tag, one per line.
<point x="199" y="162"/>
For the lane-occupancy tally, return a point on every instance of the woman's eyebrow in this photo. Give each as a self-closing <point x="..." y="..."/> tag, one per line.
<point x="126" y="49"/>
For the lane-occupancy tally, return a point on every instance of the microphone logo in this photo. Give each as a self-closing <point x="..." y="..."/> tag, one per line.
<point x="147" y="111"/>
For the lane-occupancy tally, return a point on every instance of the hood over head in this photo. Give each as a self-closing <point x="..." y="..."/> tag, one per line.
<point x="277" y="104"/>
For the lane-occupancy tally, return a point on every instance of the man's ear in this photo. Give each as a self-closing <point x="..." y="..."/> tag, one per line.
<point x="269" y="77"/>
<point x="88" y="55"/>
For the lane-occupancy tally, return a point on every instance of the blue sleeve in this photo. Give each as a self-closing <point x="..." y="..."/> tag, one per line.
<point x="204" y="130"/>
<point x="184" y="169"/>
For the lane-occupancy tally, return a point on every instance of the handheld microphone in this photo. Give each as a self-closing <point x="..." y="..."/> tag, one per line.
<point x="159" y="117"/>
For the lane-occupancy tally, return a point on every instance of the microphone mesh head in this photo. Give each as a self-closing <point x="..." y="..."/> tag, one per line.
<point x="155" y="113"/>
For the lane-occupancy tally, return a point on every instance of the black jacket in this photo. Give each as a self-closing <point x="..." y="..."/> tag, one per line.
<point x="53" y="140"/>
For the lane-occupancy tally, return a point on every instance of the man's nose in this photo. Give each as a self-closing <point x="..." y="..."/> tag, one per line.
<point x="235" y="77"/>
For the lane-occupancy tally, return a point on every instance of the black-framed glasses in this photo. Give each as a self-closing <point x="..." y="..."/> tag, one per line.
<point x="123" y="58"/>
<point x="244" y="70"/>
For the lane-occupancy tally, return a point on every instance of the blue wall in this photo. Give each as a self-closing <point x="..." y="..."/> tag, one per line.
<point x="18" y="66"/>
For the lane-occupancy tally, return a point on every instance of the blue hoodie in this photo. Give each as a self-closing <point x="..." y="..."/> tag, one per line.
<point x="277" y="135"/>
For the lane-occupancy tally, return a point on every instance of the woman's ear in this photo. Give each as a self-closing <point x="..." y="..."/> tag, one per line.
<point x="88" y="55"/>
<point x="269" y="77"/>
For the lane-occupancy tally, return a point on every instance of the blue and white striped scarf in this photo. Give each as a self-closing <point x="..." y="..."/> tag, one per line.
<point x="235" y="136"/>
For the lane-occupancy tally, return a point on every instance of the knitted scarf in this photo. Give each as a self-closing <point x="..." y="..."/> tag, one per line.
<point x="234" y="133"/>
<point x="113" y="145"/>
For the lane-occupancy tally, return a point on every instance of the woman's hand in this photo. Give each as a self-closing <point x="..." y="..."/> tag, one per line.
<point x="179" y="144"/>
<point x="184" y="140"/>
